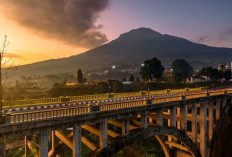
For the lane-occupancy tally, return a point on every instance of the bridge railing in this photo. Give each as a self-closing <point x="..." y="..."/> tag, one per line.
<point x="45" y="114"/>
<point x="70" y="99"/>
<point x="20" y="117"/>
<point x="105" y="107"/>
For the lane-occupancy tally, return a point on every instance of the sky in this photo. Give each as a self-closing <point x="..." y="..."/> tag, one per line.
<point x="42" y="30"/>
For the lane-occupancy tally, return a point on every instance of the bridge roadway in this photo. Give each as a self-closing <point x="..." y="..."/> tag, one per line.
<point x="27" y="107"/>
<point x="104" y="102"/>
<point x="175" y="110"/>
<point x="33" y="104"/>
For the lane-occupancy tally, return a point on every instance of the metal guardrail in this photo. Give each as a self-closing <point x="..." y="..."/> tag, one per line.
<point x="21" y="117"/>
<point x="70" y="99"/>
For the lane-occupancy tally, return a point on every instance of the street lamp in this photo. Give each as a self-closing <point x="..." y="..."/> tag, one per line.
<point x="113" y="67"/>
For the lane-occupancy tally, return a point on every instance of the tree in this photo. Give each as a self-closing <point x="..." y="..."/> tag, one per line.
<point x="227" y="74"/>
<point x="79" y="76"/>
<point x="211" y="72"/>
<point x="181" y="70"/>
<point x="131" y="78"/>
<point x="123" y="79"/>
<point x="152" y="69"/>
<point x="2" y="52"/>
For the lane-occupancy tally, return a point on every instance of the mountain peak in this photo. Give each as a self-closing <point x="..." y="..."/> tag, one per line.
<point x="140" y="32"/>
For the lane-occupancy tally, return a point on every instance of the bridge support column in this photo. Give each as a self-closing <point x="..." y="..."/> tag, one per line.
<point x="218" y="109"/>
<point x="172" y="121"/>
<point x="2" y="146"/>
<point x="76" y="140"/>
<point x="211" y="119"/>
<point x="43" y="146"/>
<point x="103" y="138"/>
<point x="183" y="120"/>
<point x="178" y="123"/>
<point x="203" y="129"/>
<point x="126" y="127"/>
<point x="159" y="119"/>
<point x="194" y="123"/>
<point x="144" y="119"/>
<point x="173" y="116"/>
<point x="25" y="146"/>
<point x="224" y="102"/>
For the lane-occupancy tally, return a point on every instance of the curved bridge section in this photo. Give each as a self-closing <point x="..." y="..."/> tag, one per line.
<point x="182" y="141"/>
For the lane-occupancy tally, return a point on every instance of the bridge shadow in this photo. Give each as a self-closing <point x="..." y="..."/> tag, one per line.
<point x="140" y="134"/>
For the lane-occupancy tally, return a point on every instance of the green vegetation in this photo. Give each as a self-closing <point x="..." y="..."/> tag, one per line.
<point x="80" y="76"/>
<point x="181" y="70"/>
<point x="102" y="87"/>
<point x="152" y="69"/>
<point x="149" y="147"/>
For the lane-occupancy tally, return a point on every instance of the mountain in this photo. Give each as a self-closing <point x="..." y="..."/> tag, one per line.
<point x="130" y="50"/>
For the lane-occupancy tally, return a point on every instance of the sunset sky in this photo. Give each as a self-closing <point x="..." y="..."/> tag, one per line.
<point x="41" y="30"/>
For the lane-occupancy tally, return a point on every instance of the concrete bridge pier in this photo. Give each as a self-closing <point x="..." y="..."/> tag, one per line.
<point x="144" y="119"/>
<point x="203" y="129"/>
<point x="173" y="116"/>
<point x="183" y="121"/>
<point x="2" y="146"/>
<point x="218" y="109"/>
<point x="43" y="145"/>
<point x="194" y="123"/>
<point x="126" y="127"/>
<point x="159" y="119"/>
<point x="224" y="101"/>
<point x="172" y="120"/>
<point x="25" y="146"/>
<point x="76" y="140"/>
<point x="211" y="119"/>
<point x="103" y="138"/>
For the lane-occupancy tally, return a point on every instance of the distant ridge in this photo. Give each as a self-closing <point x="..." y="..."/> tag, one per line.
<point x="129" y="50"/>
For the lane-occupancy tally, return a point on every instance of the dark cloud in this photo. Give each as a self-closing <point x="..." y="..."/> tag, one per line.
<point x="227" y="34"/>
<point x="71" y="21"/>
<point x="204" y="39"/>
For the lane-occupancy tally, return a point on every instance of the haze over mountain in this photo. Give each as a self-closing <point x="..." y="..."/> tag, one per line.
<point x="130" y="50"/>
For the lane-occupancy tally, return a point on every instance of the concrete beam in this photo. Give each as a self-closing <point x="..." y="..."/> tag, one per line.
<point x="84" y="140"/>
<point x="163" y="145"/>
<point x="120" y="124"/>
<point x="88" y="143"/>
<point x="64" y="139"/>
<point x="91" y="129"/>
<point x="97" y="132"/>
<point x="176" y="145"/>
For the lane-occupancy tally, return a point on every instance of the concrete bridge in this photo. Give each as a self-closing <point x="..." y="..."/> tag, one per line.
<point x="182" y="122"/>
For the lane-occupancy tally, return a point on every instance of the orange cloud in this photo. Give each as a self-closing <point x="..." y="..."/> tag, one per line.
<point x="70" y="21"/>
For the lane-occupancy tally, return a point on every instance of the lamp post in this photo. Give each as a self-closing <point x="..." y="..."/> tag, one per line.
<point x="113" y="67"/>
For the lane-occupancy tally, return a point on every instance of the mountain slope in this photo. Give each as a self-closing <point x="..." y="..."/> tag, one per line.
<point x="131" y="49"/>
